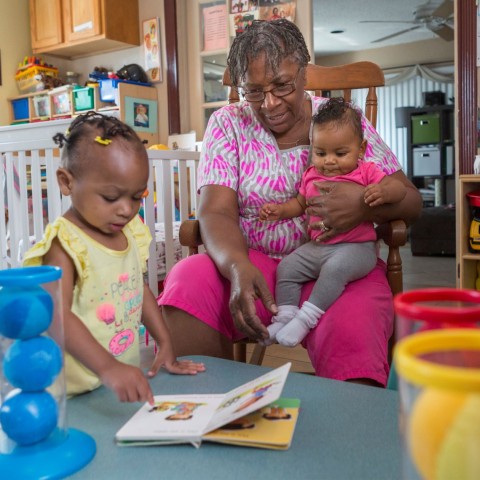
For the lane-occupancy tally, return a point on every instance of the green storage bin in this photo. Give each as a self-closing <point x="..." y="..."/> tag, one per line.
<point x="84" y="99"/>
<point x="426" y="129"/>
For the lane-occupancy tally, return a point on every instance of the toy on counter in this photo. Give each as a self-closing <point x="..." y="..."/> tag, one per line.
<point x="47" y="82"/>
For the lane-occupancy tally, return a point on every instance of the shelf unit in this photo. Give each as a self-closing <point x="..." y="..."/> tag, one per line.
<point x="468" y="261"/>
<point x="430" y="149"/>
<point x="207" y="65"/>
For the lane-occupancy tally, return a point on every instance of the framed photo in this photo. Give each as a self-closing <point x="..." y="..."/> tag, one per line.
<point x="151" y="44"/>
<point x="141" y="114"/>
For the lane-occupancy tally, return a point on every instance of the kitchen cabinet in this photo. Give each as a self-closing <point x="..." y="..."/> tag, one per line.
<point x="73" y="29"/>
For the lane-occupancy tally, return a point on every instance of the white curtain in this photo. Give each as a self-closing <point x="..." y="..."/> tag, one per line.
<point x="405" y="88"/>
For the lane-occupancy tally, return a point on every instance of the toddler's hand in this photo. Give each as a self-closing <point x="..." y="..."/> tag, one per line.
<point x="128" y="383"/>
<point x="166" y="358"/>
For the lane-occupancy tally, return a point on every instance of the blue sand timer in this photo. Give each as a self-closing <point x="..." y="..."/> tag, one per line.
<point x="34" y="440"/>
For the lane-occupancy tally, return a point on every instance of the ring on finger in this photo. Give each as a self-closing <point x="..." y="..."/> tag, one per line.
<point x="323" y="226"/>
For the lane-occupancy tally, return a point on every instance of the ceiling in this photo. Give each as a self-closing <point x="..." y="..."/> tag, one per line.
<point x="347" y="15"/>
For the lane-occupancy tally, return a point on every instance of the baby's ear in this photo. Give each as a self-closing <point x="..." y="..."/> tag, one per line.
<point x="64" y="179"/>
<point x="363" y="148"/>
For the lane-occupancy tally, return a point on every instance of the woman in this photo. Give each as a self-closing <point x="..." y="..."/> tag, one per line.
<point x="255" y="152"/>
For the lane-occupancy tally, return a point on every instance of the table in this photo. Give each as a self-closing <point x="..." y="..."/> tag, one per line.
<point x="344" y="431"/>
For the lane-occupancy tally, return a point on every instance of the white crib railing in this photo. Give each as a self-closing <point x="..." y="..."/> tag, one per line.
<point x="28" y="177"/>
<point x="173" y="179"/>
<point x="29" y="189"/>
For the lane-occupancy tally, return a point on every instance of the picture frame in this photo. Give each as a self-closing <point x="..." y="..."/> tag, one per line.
<point x="141" y="114"/>
<point x="152" y="48"/>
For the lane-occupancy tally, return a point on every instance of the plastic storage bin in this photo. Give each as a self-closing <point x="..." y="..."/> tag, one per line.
<point x="109" y="89"/>
<point x="41" y="106"/>
<point x="84" y="99"/>
<point x="61" y="101"/>
<point x="20" y="110"/>
<point x="26" y="81"/>
<point x="426" y="161"/>
<point x="426" y="128"/>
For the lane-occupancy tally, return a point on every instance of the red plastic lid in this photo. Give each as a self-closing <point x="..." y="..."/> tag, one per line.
<point x="409" y="305"/>
<point x="474" y="198"/>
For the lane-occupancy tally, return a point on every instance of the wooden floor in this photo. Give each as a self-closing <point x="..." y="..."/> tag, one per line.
<point x="278" y="355"/>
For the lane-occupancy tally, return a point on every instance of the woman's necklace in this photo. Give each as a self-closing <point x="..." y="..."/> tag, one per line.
<point x="303" y="140"/>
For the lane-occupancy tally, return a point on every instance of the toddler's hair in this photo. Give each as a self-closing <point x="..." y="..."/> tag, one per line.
<point x="341" y="112"/>
<point x="92" y="127"/>
<point x="276" y="39"/>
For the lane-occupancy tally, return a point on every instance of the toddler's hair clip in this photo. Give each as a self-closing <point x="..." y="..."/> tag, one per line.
<point x="145" y="193"/>
<point x="103" y="141"/>
<point x="67" y="132"/>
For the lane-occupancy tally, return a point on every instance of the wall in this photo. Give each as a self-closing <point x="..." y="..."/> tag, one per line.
<point x="14" y="45"/>
<point x="423" y="52"/>
<point x="14" y="17"/>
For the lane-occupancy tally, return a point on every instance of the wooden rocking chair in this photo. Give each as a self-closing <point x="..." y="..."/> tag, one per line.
<point x="333" y="81"/>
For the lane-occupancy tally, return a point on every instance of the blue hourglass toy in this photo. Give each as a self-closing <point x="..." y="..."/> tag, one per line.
<point x="34" y="440"/>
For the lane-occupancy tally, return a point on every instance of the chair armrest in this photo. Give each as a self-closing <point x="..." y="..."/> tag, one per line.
<point x="393" y="233"/>
<point x="189" y="235"/>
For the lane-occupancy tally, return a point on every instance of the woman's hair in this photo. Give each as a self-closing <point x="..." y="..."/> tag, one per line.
<point x="341" y="112"/>
<point x="277" y="39"/>
<point x="88" y="128"/>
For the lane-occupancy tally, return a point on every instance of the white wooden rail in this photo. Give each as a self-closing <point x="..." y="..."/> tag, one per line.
<point x="29" y="186"/>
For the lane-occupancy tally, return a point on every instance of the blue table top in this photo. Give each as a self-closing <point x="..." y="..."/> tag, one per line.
<point x="344" y="431"/>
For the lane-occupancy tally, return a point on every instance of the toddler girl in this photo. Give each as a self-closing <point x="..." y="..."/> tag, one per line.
<point x="102" y="247"/>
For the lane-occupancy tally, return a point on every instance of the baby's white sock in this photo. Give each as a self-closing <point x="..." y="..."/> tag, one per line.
<point x="284" y="315"/>
<point x="296" y="330"/>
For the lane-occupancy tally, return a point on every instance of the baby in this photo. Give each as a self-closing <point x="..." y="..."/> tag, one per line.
<point x="337" y="150"/>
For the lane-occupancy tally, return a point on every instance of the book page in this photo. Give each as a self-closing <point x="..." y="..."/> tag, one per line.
<point x="172" y="417"/>
<point x="270" y="427"/>
<point x="250" y="397"/>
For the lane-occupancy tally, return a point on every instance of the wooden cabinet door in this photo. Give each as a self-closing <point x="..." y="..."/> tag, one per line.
<point x="46" y="23"/>
<point x="82" y="19"/>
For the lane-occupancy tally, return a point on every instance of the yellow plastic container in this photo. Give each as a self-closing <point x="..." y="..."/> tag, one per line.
<point x="439" y="385"/>
<point x="26" y="81"/>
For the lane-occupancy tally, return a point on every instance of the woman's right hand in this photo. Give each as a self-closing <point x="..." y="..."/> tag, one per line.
<point x="247" y="286"/>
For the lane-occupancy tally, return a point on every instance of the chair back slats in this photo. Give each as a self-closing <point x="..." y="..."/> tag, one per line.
<point x="342" y="78"/>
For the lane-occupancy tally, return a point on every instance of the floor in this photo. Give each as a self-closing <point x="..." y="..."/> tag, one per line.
<point x="418" y="272"/>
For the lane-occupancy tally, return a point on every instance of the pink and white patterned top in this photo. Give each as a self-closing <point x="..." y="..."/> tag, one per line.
<point x="239" y="153"/>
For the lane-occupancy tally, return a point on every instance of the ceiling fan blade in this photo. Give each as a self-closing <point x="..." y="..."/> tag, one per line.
<point x="445" y="10"/>
<point x="386" y="21"/>
<point x="443" y="31"/>
<point x="395" y="34"/>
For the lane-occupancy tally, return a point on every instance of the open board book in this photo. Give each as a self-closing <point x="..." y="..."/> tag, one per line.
<point x="250" y="415"/>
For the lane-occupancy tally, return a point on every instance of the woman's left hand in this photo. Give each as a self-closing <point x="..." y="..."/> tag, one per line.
<point x="340" y="205"/>
<point x="165" y="358"/>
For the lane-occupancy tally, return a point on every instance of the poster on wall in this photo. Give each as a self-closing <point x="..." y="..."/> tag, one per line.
<point x="215" y="32"/>
<point x="151" y="44"/>
<point x="243" y="12"/>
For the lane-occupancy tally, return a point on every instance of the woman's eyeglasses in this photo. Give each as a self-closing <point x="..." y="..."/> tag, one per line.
<point x="278" y="91"/>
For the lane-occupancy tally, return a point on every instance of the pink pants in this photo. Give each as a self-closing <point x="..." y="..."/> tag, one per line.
<point x="350" y="340"/>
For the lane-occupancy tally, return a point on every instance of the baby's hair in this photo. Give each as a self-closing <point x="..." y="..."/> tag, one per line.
<point x="92" y="127"/>
<point x="341" y="112"/>
<point x="277" y="39"/>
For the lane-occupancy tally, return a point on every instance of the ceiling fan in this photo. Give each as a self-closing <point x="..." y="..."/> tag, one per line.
<point x="436" y="18"/>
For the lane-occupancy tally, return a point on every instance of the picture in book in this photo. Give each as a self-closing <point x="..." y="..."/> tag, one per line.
<point x="252" y="414"/>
